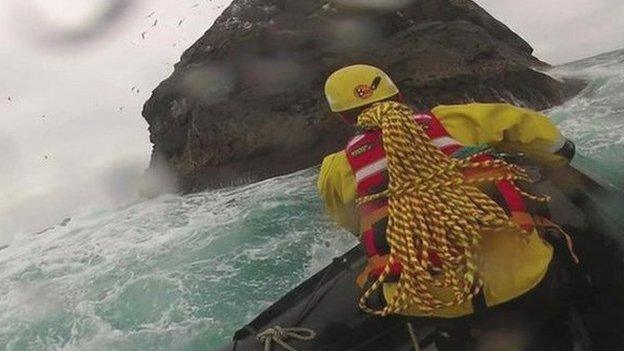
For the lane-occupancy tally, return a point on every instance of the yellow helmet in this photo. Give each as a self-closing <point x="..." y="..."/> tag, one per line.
<point x="356" y="86"/>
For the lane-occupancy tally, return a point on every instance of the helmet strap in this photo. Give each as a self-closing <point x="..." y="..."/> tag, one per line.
<point x="350" y="116"/>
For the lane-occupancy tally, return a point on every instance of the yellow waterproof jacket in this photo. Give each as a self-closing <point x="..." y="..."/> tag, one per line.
<point x="512" y="263"/>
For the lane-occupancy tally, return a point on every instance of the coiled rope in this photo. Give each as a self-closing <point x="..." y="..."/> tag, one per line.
<point x="279" y="336"/>
<point x="432" y="208"/>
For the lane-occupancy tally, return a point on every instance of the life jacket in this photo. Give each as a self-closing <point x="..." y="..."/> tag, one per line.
<point x="367" y="159"/>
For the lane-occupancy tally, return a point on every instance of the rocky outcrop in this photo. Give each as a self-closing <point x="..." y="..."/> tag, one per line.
<point x="246" y="102"/>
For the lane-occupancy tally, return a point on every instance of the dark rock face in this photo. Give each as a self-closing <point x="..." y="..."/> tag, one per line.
<point x="246" y="100"/>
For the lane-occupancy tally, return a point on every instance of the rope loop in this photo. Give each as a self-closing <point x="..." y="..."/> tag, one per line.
<point x="279" y="335"/>
<point x="432" y="208"/>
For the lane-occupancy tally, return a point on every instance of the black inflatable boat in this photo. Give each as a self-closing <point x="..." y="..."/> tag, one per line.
<point x="591" y="212"/>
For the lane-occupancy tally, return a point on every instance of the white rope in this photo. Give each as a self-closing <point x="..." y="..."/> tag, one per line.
<point x="279" y="336"/>
<point x="413" y="336"/>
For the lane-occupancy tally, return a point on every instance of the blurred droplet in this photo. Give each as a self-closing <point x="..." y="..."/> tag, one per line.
<point x="275" y="75"/>
<point x="67" y="22"/>
<point x="209" y="84"/>
<point x="390" y="5"/>
<point x="353" y="33"/>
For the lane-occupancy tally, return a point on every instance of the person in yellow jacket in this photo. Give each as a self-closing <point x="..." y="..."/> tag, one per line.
<point x="447" y="229"/>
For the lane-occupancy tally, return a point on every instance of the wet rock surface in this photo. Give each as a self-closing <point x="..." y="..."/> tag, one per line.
<point x="246" y="102"/>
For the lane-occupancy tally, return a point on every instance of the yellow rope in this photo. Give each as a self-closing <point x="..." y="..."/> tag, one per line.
<point x="432" y="208"/>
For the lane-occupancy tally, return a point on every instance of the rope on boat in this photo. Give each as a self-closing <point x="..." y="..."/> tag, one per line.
<point x="546" y="223"/>
<point x="279" y="335"/>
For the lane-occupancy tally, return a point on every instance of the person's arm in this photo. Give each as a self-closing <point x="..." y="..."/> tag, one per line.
<point x="508" y="128"/>
<point x="336" y="185"/>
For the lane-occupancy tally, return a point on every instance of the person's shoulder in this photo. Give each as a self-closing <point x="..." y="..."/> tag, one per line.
<point x="332" y="168"/>
<point x="336" y="156"/>
<point x="480" y="110"/>
<point x="336" y="164"/>
<point x="442" y="110"/>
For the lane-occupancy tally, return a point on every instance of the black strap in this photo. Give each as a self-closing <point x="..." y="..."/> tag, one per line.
<point x="568" y="150"/>
<point x="478" y="303"/>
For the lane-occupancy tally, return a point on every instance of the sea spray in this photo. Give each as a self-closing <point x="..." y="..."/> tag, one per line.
<point x="594" y="119"/>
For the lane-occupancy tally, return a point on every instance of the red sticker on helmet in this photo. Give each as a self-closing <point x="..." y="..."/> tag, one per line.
<point x="363" y="91"/>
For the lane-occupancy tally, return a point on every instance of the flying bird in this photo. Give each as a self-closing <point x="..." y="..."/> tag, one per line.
<point x="180" y="23"/>
<point x="9" y="99"/>
<point x="155" y="23"/>
<point x="121" y="108"/>
<point x="143" y="35"/>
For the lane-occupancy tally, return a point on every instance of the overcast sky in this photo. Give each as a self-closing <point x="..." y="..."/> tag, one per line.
<point x="72" y="139"/>
<point x="563" y="30"/>
<point x="75" y="74"/>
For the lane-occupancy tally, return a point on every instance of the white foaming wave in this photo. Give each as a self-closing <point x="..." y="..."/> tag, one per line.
<point x="173" y="336"/>
<point x="608" y="64"/>
<point x="185" y="260"/>
<point x="594" y="118"/>
<point x="65" y="258"/>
